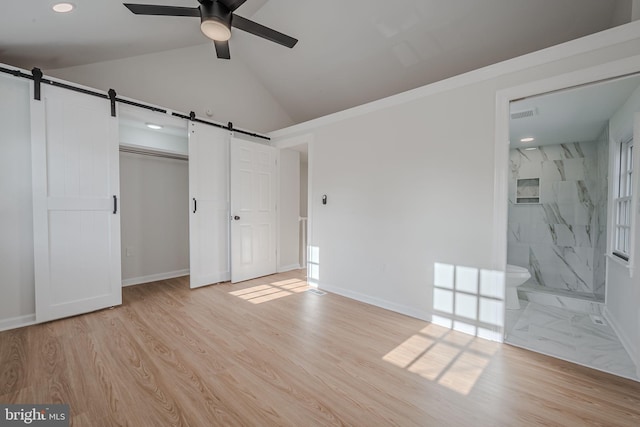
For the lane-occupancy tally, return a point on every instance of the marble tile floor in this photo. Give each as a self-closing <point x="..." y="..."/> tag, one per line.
<point x="570" y="336"/>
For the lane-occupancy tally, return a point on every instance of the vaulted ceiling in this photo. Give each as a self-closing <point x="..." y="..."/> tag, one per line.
<point x="350" y="51"/>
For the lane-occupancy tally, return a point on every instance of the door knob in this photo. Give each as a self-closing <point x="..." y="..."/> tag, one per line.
<point x="236" y="217"/>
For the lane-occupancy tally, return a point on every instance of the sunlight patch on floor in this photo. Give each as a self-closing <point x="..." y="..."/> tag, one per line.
<point x="272" y="291"/>
<point x="470" y="301"/>
<point x="451" y="359"/>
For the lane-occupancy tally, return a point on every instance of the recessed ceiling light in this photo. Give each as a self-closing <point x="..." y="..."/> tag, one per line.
<point x="154" y="126"/>
<point x="63" y="7"/>
<point x="528" y="139"/>
<point x="530" y="148"/>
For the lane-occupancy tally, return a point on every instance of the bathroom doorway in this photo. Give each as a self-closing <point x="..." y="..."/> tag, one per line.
<point x="302" y="186"/>
<point x="561" y="173"/>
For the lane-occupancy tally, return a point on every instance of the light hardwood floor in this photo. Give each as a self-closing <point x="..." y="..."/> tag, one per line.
<point x="266" y="352"/>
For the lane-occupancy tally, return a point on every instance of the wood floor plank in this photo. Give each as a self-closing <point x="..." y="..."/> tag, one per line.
<point x="266" y="352"/>
<point x="91" y="379"/>
<point x="14" y="361"/>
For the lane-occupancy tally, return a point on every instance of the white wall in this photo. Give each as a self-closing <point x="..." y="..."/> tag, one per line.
<point x="621" y="123"/>
<point x="410" y="186"/>
<point x="289" y="210"/>
<point x="188" y="79"/>
<point x="402" y="196"/>
<point x="623" y="291"/>
<point x="154" y="217"/>
<point x="17" y="292"/>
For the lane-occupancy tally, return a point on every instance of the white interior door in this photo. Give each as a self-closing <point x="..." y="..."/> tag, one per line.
<point x="253" y="210"/>
<point x="74" y="143"/>
<point x="209" y="195"/>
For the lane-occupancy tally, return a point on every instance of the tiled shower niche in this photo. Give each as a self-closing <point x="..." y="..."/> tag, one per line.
<point x="528" y="190"/>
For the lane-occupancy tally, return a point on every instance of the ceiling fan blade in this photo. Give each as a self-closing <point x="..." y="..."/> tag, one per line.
<point x="262" y="31"/>
<point x="152" y="9"/>
<point x="232" y="4"/>
<point x="222" y="49"/>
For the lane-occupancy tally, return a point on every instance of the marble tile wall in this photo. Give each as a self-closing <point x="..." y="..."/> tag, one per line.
<point x="559" y="239"/>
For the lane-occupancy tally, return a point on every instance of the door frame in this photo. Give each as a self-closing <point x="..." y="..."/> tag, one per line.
<point x="131" y="115"/>
<point x="606" y="71"/>
<point x="306" y="139"/>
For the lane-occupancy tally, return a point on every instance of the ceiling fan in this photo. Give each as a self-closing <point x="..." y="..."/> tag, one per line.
<point x="216" y="20"/>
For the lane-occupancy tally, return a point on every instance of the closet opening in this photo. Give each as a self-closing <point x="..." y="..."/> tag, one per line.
<point x="154" y="191"/>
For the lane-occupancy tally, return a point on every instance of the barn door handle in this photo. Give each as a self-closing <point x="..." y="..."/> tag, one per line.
<point x="195" y="205"/>
<point x="115" y="204"/>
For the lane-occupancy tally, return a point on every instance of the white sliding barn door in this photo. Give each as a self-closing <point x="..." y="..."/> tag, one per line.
<point x="74" y="143"/>
<point x="253" y="210"/>
<point x="209" y="207"/>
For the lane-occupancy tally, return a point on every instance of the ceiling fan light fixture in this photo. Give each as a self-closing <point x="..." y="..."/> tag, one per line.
<point x="215" y="29"/>
<point x="216" y="19"/>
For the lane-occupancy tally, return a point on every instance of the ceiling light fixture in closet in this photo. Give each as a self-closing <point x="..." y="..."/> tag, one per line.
<point x="153" y="126"/>
<point x="63" y="7"/>
<point x="528" y="139"/>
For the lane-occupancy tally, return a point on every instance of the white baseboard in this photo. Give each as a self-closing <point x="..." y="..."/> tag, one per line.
<point x="626" y="342"/>
<point x="17" y="322"/>
<point x="290" y="267"/>
<point x="427" y="316"/>
<point x="154" y="277"/>
<point x="378" y="302"/>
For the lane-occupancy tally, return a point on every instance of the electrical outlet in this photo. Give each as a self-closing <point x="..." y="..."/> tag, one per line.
<point x="128" y="251"/>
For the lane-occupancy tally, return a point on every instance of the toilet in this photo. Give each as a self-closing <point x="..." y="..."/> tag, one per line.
<point x="514" y="277"/>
